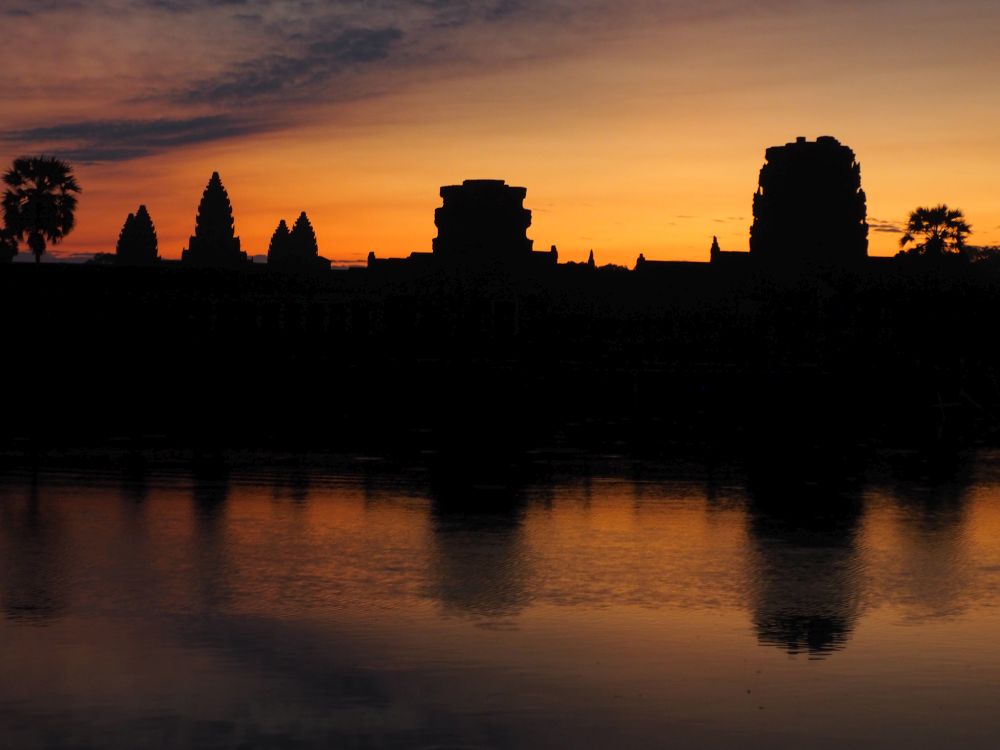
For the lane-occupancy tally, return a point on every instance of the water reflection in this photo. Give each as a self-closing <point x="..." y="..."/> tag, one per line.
<point x="932" y="567"/>
<point x="135" y="486"/>
<point x="210" y="580"/>
<point x="32" y="554"/>
<point x="479" y="561"/>
<point x="209" y="493"/>
<point x="806" y="567"/>
<point x="310" y="611"/>
<point x="293" y="487"/>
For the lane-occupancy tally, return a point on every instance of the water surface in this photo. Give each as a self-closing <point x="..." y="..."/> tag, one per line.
<point x="379" y="610"/>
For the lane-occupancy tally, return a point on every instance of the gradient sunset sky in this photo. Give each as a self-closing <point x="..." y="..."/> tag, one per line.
<point x="637" y="126"/>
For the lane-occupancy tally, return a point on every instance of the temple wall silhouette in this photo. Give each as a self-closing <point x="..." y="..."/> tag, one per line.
<point x="353" y="358"/>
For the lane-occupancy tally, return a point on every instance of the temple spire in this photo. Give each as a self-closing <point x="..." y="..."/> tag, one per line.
<point x="214" y="243"/>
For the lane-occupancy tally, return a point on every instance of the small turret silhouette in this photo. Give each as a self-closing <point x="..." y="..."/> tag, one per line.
<point x="296" y="251"/>
<point x="214" y="243"/>
<point x="590" y="260"/>
<point x="714" y="251"/>
<point x="137" y="244"/>
<point x="279" y="248"/>
<point x="303" y="239"/>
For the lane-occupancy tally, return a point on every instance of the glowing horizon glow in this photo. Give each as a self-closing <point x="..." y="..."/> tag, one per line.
<point x="635" y="128"/>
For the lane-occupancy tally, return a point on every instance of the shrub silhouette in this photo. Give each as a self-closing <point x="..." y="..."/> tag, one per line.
<point x="137" y="245"/>
<point x="942" y="229"/>
<point x="214" y="243"/>
<point x="40" y="202"/>
<point x="989" y="254"/>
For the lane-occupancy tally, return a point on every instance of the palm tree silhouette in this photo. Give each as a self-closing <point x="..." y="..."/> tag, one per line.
<point x="8" y="246"/>
<point x="39" y="202"/>
<point x="942" y="229"/>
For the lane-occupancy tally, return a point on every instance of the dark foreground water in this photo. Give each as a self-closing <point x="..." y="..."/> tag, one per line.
<point x="345" y="611"/>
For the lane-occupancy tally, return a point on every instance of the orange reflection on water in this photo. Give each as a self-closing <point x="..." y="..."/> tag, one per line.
<point x="597" y="611"/>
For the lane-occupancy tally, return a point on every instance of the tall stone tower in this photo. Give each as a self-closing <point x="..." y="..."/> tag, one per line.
<point x="214" y="243"/>
<point x="482" y="223"/>
<point x="809" y="207"/>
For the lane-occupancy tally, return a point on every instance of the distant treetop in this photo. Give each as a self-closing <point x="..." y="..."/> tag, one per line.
<point x="942" y="229"/>
<point x="38" y="204"/>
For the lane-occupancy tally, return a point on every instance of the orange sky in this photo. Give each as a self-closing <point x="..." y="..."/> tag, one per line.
<point x="636" y="127"/>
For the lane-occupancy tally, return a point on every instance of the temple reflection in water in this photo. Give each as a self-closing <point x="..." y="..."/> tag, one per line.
<point x="368" y="606"/>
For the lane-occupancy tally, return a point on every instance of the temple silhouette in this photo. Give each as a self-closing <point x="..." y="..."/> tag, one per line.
<point x="482" y="226"/>
<point x="483" y="345"/>
<point x="137" y="243"/>
<point x="810" y="207"/>
<point x="296" y="250"/>
<point x="809" y="211"/>
<point x="214" y="243"/>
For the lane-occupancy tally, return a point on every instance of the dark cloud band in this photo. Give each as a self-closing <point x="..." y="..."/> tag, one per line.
<point x="293" y="75"/>
<point x="118" y="140"/>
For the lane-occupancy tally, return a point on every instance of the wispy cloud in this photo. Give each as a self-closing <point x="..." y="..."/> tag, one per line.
<point x="115" y="140"/>
<point x="170" y="73"/>
<point x="221" y="68"/>
<point x="889" y="227"/>
<point x="294" y="76"/>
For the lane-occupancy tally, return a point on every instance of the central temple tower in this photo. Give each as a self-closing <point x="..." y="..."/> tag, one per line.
<point x="809" y="207"/>
<point x="482" y="222"/>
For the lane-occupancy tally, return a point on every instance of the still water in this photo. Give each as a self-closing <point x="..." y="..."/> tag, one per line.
<point x="376" y="610"/>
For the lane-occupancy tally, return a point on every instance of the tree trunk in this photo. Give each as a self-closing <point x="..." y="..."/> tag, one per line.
<point x="37" y="244"/>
